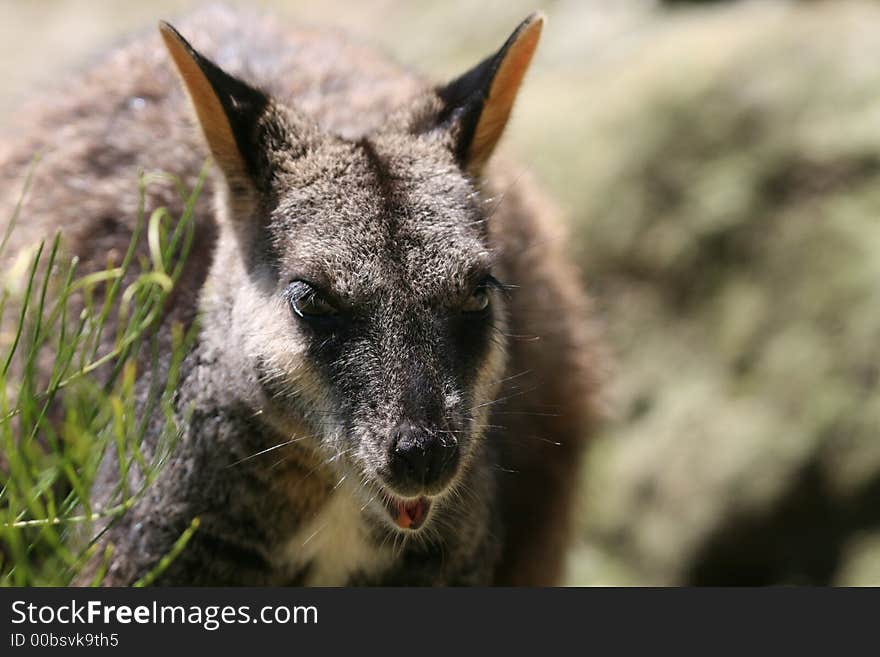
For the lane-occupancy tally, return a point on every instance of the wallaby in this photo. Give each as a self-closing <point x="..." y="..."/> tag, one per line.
<point x="395" y="368"/>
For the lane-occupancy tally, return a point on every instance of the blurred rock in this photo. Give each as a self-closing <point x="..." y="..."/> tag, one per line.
<point x="861" y="561"/>
<point x="726" y="194"/>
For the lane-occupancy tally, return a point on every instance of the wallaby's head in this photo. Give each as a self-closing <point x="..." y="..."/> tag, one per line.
<point x="353" y="280"/>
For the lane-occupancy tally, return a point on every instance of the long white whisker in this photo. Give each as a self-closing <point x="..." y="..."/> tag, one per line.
<point x="267" y="450"/>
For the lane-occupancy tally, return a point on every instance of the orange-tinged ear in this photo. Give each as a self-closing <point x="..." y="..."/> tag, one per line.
<point x="478" y="103"/>
<point x="502" y="93"/>
<point x="227" y="108"/>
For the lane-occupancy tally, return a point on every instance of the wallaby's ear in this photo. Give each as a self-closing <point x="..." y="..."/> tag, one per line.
<point x="227" y="109"/>
<point x="477" y="104"/>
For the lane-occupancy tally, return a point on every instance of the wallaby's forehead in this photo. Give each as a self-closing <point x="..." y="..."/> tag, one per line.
<point x="374" y="215"/>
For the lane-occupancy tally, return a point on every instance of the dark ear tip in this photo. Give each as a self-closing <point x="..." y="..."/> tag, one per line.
<point x="533" y="24"/>
<point x="174" y="40"/>
<point x="536" y="16"/>
<point x="534" y="20"/>
<point x="168" y="31"/>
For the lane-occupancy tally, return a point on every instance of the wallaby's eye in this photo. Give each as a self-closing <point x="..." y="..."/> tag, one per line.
<point x="307" y="303"/>
<point x="479" y="299"/>
<point x="477" y="302"/>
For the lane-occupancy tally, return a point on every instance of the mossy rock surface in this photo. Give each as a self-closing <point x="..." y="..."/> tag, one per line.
<point x="726" y="208"/>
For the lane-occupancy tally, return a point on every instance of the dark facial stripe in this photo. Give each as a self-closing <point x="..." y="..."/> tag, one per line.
<point x="384" y="179"/>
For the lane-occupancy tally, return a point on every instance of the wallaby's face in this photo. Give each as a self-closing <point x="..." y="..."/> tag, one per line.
<point x="385" y="324"/>
<point x="358" y="276"/>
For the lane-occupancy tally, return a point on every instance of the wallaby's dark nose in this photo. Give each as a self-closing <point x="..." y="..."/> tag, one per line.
<point x="421" y="461"/>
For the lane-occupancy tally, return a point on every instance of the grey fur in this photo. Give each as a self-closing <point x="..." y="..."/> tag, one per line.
<point x="378" y="211"/>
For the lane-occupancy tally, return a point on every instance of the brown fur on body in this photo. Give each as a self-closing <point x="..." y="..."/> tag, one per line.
<point x="509" y="524"/>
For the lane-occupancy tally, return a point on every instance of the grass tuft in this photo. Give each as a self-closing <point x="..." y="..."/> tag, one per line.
<point x="72" y="349"/>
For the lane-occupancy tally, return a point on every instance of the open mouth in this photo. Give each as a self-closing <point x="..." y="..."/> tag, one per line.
<point x="408" y="514"/>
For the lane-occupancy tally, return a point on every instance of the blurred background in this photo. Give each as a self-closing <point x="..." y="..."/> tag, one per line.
<point x="719" y="165"/>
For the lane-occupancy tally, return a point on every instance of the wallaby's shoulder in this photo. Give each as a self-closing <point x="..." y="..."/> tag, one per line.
<point x="346" y="86"/>
<point x="554" y="395"/>
<point x="97" y="131"/>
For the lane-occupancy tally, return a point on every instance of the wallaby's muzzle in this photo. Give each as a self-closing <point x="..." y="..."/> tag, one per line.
<point x="421" y="461"/>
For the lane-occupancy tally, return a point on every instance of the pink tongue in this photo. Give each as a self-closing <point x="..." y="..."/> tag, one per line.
<point x="410" y="513"/>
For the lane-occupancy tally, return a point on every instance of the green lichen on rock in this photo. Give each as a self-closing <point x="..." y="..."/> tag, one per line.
<point x="726" y="208"/>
